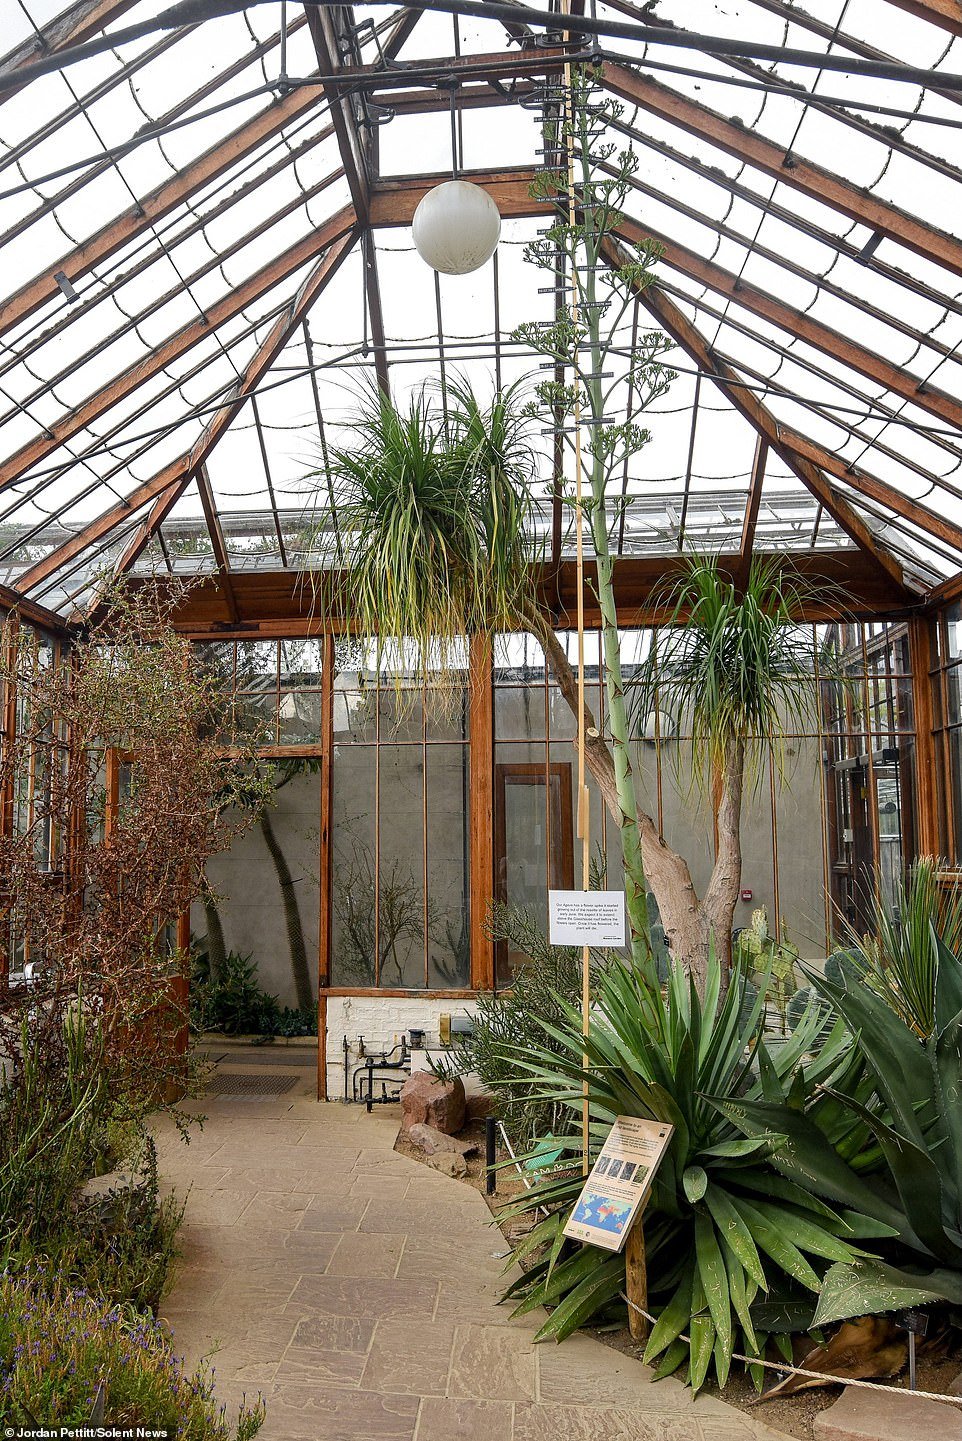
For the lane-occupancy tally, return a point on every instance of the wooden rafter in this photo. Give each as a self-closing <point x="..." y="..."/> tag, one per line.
<point x="216" y="533"/>
<point x="393" y="202"/>
<point x="752" y="503"/>
<point x="680" y="328"/>
<point x="72" y="26"/>
<point x="764" y="155"/>
<point x="177" y="345"/>
<point x="799" y="323"/>
<point x="169" y="484"/>
<point x="111" y="237"/>
<point x="922" y="516"/>
<point x="30" y="611"/>
<point x="945" y="13"/>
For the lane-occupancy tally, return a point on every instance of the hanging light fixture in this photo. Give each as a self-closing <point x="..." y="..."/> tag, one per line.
<point x="456" y="226"/>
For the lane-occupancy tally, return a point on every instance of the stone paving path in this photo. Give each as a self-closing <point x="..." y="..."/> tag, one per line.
<point x="357" y="1291"/>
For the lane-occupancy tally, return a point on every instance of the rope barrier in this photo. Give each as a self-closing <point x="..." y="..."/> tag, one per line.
<point x="786" y="1369"/>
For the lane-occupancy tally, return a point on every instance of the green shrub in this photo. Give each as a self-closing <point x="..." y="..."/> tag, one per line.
<point x="65" y="1354"/>
<point x="229" y="999"/>
<point x="883" y="1136"/>
<point x="62" y="1121"/>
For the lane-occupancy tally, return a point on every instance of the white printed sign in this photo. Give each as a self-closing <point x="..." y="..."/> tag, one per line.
<point x="586" y="918"/>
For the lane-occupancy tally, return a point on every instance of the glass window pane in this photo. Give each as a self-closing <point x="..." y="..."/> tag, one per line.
<point x="299" y="718"/>
<point x="448" y="861"/>
<point x="401" y="911"/>
<point x="353" y="849"/>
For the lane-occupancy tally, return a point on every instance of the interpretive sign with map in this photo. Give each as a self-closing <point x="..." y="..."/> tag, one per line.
<point x="619" y="1182"/>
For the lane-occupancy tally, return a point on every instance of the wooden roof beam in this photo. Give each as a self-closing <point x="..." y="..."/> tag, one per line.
<point x="680" y="328"/>
<point x="752" y="503"/>
<point x="177" y="345"/>
<point x="771" y="159"/>
<point x="945" y="13"/>
<point x="72" y="26"/>
<point x="108" y="240"/>
<point x="171" y="482"/>
<point x="218" y="545"/>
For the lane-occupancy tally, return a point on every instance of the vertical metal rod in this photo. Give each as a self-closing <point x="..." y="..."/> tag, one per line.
<point x="912" y="1371"/>
<point x="583" y="816"/>
<point x="282" y="77"/>
<point x="490" y="1155"/>
<point x="497" y="320"/>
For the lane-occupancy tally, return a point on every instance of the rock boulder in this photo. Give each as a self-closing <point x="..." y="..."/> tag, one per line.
<point x="433" y="1142"/>
<point x="428" y="1101"/>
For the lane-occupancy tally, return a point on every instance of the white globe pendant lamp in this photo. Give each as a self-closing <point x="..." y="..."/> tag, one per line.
<point x="456" y="227"/>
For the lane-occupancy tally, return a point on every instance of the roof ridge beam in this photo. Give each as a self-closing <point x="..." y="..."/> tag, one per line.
<point x="176" y="345"/>
<point x="152" y="207"/>
<point x="804" y="175"/>
<point x="169" y="484"/>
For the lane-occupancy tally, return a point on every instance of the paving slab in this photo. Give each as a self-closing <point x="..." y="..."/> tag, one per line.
<point x="862" y="1415"/>
<point x="359" y="1292"/>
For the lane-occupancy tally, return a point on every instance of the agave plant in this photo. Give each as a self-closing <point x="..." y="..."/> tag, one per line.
<point x="902" y="956"/>
<point x="896" y="1112"/>
<point x="735" y="1249"/>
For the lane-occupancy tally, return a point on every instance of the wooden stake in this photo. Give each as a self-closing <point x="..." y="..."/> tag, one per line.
<point x="636" y="1279"/>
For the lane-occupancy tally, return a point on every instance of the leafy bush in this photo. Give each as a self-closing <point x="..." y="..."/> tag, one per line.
<point x="229" y="999"/>
<point x="68" y="1356"/>
<point x="61" y="1123"/>
<point x="735" y="1250"/>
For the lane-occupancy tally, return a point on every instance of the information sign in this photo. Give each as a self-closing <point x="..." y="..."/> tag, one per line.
<point x="620" y="1181"/>
<point x="586" y="918"/>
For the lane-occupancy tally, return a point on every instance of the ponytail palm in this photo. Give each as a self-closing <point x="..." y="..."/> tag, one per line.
<point x="730" y="669"/>
<point x="433" y="503"/>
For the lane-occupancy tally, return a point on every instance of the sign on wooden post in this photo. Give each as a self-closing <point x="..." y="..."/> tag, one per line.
<point x="608" y="1213"/>
<point x="586" y="918"/>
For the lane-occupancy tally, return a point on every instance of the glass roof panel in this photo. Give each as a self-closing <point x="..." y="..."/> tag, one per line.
<point x="184" y="250"/>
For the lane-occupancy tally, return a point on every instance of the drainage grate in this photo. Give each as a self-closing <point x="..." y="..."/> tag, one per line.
<point x="235" y="1083"/>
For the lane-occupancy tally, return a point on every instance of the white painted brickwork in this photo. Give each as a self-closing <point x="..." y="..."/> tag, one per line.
<point x="382" y="1021"/>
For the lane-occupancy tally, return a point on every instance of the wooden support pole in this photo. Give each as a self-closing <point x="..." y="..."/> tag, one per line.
<point x="636" y="1279"/>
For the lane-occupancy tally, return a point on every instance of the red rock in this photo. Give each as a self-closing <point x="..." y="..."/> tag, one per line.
<point x="432" y="1102"/>
<point x="887" y="1416"/>
<point x="479" y="1105"/>
<point x="432" y="1141"/>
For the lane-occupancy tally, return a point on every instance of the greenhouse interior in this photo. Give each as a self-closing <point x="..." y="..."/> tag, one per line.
<point x="481" y="730"/>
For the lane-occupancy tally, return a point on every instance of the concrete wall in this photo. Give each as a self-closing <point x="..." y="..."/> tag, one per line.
<point x="250" y="903"/>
